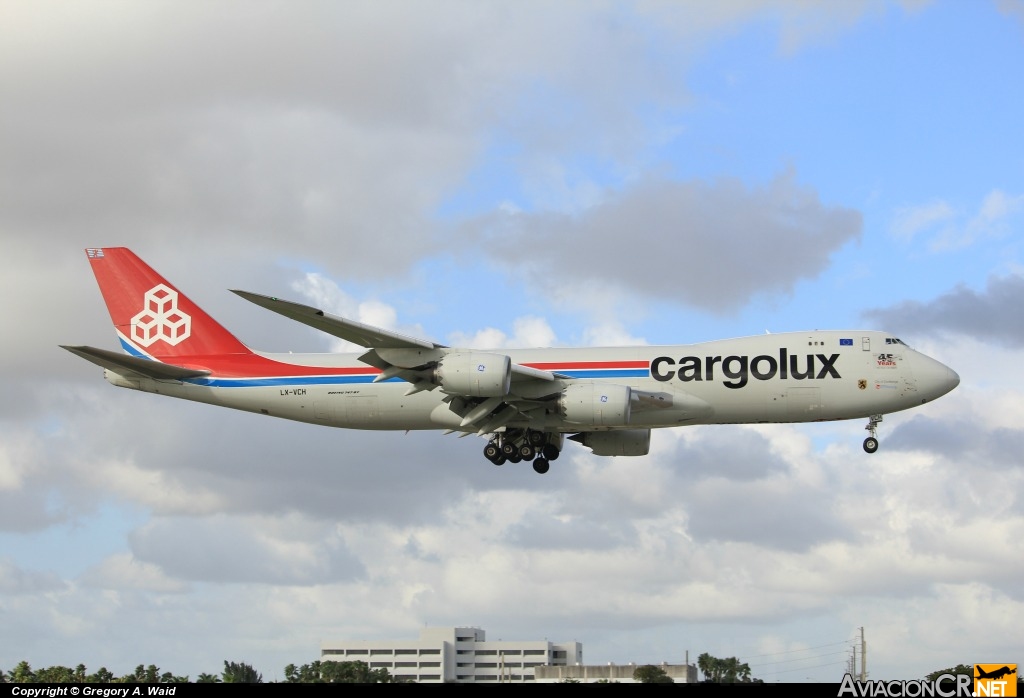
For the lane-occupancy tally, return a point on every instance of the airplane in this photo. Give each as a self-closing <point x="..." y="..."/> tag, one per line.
<point x="995" y="674"/>
<point x="525" y="402"/>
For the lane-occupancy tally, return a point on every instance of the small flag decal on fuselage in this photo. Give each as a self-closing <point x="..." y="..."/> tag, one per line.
<point x="846" y="342"/>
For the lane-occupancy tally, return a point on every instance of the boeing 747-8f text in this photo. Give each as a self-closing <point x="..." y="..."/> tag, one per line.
<point x="525" y="401"/>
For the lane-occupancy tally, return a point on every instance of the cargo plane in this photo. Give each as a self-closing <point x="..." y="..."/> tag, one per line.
<point x="525" y="402"/>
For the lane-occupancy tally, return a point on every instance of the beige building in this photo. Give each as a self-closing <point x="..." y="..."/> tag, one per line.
<point x="460" y="655"/>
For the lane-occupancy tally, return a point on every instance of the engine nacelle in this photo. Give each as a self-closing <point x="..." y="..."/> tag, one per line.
<point x="475" y="374"/>
<point x="624" y="442"/>
<point x="596" y="405"/>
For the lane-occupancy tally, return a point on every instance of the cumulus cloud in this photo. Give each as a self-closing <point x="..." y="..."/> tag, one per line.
<point x="327" y="295"/>
<point x="948" y="229"/>
<point x="1013" y="8"/>
<point x="14" y="580"/>
<point x="709" y="245"/>
<point x="125" y="572"/>
<point x="990" y="315"/>
<point x="527" y="331"/>
<point x="336" y="145"/>
<point x="280" y="550"/>
<point x="909" y="221"/>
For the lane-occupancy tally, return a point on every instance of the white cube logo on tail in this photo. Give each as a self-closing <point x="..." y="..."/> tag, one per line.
<point x="160" y="318"/>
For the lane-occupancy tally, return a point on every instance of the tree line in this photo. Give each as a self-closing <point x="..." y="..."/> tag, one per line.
<point x="234" y="672"/>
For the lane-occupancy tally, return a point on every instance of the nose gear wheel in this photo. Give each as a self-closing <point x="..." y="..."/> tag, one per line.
<point x="871" y="443"/>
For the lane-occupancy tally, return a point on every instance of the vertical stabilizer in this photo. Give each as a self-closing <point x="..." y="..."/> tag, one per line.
<point x="152" y="317"/>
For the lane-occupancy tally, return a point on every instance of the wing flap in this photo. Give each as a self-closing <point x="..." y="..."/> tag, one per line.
<point x="144" y="367"/>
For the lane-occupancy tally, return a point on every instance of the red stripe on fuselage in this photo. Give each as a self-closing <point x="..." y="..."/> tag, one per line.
<point x="577" y="365"/>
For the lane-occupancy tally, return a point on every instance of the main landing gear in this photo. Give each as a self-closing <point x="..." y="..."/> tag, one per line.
<point x="518" y="445"/>
<point x="871" y="443"/>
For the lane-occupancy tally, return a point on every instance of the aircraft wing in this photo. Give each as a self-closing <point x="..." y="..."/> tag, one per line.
<point x="398" y="355"/>
<point x="144" y="367"/>
<point x="349" y="330"/>
<point x="387" y="348"/>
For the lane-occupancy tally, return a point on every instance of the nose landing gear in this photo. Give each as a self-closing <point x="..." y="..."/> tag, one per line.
<point x="871" y="443"/>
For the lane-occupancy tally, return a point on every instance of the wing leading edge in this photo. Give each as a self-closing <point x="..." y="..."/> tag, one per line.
<point x="349" y="330"/>
<point x="392" y="352"/>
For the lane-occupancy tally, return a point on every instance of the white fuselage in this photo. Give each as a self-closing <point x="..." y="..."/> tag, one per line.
<point x="792" y="377"/>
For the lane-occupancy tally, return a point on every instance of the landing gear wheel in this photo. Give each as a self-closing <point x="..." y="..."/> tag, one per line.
<point x="508" y="449"/>
<point x="515" y="458"/>
<point x="526" y="452"/>
<point x="491" y="452"/>
<point x="550" y="452"/>
<point x="871" y="443"/>
<point x="536" y="438"/>
<point x="541" y="465"/>
<point x="500" y="460"/>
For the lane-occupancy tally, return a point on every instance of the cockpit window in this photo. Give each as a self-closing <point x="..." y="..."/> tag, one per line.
<point x="893" y="340"/>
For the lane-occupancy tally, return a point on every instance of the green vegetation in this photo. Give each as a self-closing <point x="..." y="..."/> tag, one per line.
<point x="651" y="674"/>
<point x="336" y="672"/>
<point x="23" y="673"/>
<point x="234" y="672"/>
<point x="729" y="670"/>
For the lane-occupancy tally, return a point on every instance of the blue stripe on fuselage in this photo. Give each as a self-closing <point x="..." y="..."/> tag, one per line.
<point x="605" y="373"/>
<point x="133" y="351"/>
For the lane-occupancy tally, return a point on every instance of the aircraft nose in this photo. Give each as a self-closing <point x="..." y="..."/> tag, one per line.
<point x="934" y="379"/>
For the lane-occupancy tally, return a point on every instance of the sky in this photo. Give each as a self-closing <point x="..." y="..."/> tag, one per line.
<point x="510" y="174"/>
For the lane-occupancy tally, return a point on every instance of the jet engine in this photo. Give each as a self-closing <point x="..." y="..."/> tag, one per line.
<point x="595" y="404"/>
<point x="624" y="442"/>
<point x="474" y="374"/>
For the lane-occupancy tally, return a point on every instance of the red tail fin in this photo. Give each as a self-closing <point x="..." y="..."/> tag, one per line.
<point x="151" y="316"/>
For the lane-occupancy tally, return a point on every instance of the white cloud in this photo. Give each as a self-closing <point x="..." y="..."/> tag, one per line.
<point x="325" y="294"/>
<point x="487" y="338"/>
<point x="688" y="241"/>
<point x="17" y="454"/>
<point x="531" y="331"/>
<point x="378" y="314"/>
<point x="14" y="580"/>
<point x="912" y="220"/>
<point x="126" y="573"/>
<point x="528" y="331"/>
<point x="611" y="334"/>
<point x="159" y="490"/>
<point x="945" y="227"/>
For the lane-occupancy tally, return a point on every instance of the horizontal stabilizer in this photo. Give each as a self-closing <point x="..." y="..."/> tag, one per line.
<point x="145" y="367"/>
<point x="349" y="330"/>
